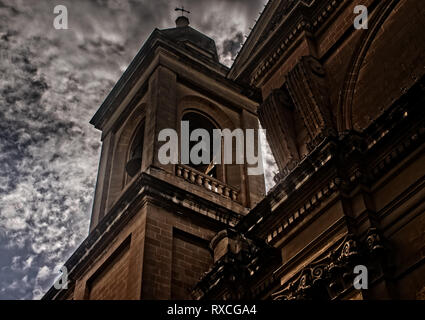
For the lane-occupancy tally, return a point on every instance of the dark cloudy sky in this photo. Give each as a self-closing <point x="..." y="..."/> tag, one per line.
<point x="51" y="83"/>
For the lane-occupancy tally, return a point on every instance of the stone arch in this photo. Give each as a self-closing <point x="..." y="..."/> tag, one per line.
<point x="231" y="174"/>
<point x="135" y="146"/>
<point x="371" y="82"/>
<point x="206" y="107"/>
<point x="198" y="119"/>
<point x="124" y="138"/>
<point x="201" y="113"/>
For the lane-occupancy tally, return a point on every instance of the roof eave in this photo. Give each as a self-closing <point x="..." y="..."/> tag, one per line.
<point x="100" y="114"/>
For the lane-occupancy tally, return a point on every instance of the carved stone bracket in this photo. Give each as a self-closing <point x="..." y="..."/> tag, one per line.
<point x="237" y="260"/>
<point x="374" y="241"/>
<point x="327" y="277"/>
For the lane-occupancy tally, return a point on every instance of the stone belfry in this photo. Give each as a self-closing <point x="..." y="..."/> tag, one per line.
<point x="152" y="223"/>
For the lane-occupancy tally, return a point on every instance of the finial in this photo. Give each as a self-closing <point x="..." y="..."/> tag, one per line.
<point x="182" y="21"/>
<point x="182" y="9"/>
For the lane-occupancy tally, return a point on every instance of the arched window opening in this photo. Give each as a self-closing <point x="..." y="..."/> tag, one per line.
<point x="198" y="121"/>
<point x="134" y="163"/>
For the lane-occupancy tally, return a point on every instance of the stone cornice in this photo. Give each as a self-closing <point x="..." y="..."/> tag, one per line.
<point x="295" y="17"/>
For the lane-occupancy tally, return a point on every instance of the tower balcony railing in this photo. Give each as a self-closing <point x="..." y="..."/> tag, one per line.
<point x="209" y="183"/>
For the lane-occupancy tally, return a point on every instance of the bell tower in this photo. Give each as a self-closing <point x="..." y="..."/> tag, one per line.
<point x="152" y="222"/>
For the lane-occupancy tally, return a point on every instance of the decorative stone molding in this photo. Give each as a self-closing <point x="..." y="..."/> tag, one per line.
<point x="227" y="241"/>
<point x="294" y="19"/>
<point x="237" y="260"/>
<point x="293" y="217"/>
<point x="327" y="277"/>
<point x="374" y="242"/>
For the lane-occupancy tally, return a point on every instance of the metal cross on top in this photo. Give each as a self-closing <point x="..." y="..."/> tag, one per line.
<point x="182" y="9"/>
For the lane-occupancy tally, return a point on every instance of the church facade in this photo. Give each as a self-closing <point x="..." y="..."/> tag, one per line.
<point x="344" y="116"/>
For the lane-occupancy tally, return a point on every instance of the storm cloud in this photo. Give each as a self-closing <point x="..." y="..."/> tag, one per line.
<point x="231" y="46"/>
<point x="51" y="83"/>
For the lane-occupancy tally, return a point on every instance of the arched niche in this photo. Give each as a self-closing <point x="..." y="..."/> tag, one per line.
<point x="135" y="152"/>
<point x="232" y="173"/>
<point x="387" y="61"/>
<point x="125" y="143"/>
<point x="198" y="120"/>
<point x="212" y="110"/>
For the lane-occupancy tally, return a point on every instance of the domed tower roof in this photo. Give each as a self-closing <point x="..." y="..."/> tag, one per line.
<point x="191" y="38"/>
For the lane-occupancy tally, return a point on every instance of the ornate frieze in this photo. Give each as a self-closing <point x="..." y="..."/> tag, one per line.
<point x="329" y="276"/>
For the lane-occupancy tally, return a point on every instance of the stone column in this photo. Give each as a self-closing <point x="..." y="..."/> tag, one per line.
<point x="161" y="114"/>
